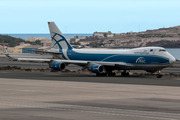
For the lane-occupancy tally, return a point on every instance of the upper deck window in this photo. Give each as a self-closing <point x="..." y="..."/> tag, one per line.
<point x="162" y="50"/>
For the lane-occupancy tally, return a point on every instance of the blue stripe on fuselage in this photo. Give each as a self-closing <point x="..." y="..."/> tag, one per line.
<point x="127" y="58"/>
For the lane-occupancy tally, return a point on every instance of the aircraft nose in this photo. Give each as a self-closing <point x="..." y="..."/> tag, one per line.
<point x="172" y="60"/>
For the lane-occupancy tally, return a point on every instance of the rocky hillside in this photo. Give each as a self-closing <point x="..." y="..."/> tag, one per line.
<point x="165" y="37"/>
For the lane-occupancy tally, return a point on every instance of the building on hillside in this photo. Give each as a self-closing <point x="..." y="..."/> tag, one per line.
<point x="30" y="48"/>
<point x="9" y="49"/>
<point x="32" y="39"/>
<point x="47" y="44"/>
<point x="1" y="50"/>
<point x="25" y="48"/>
<point x="110" y="35"/>
<point x="4" y="44"/>
<point x="102" y="34"/>
<point x="78" y="38"/>
<point x="3" y="47"/>
<point x="129" y="33"/>
<point x="18" y="49"/>
<point x="84" y="42"/>
<point x="44" y="41"/>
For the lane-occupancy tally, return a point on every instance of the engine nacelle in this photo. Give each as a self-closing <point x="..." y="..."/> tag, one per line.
<point x="97" y="68"/>
<point x="58" y="66"/>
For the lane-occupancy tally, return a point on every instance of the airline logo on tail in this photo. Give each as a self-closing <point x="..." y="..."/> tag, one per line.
<point x="60" y="41"/>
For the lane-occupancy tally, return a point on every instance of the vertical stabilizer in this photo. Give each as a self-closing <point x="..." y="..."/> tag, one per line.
<point x="58" y="39"/>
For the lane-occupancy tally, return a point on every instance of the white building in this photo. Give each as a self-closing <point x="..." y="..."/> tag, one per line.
<point x="44" y="41"/>
<point x="102" y="34"/>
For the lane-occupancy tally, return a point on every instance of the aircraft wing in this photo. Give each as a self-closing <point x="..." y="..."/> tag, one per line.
<point x="77" y="62"/>
<point x="46" y="60"/>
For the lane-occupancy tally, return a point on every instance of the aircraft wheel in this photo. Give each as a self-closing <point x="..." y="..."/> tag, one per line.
<point x="127" y="74"/>
<point x="112" y="74"/>
<point x="124" y="74"/>
<point x="158" y="75"/>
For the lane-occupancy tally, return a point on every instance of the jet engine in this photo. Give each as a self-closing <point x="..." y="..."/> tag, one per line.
<point x="58" y="66"/>
<point x="97" y="68"/>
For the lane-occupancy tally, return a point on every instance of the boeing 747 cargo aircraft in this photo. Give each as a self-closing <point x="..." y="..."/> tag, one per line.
<point x="104" y="61"/>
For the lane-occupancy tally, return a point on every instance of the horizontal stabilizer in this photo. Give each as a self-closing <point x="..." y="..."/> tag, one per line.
<point x="46" y="51"/>
<point x="10" y="58"/>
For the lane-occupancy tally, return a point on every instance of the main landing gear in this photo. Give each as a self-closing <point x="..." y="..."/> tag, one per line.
<point x="110" y="73"/>
<point x="101" y="74"/>
<point x="125" y="73"/>
<point x="159" y="74"/>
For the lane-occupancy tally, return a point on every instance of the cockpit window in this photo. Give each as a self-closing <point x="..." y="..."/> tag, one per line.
<point x="162" y="50"/>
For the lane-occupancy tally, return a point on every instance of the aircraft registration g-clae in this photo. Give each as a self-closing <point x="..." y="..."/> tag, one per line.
<point x="103" y="61"/>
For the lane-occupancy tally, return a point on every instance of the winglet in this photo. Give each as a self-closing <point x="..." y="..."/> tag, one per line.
<point x="10" y="58"/>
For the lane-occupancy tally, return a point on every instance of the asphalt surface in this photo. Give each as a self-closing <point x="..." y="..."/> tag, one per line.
<point x="68" y="96"/>
<point x="35" y="95"/>
<point x="74" y="77"/>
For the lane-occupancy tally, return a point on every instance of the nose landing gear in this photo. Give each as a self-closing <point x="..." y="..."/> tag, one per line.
<point x="159" y="74"/>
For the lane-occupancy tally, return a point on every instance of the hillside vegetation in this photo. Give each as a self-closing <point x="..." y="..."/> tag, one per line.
<point x="12" y="41"/>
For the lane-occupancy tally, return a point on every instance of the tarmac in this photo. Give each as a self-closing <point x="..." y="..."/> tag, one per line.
<point x="68" y="96"/>
<point x="36" y="95"/>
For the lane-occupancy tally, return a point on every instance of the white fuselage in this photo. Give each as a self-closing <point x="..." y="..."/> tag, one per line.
<point x="138" y="58"/>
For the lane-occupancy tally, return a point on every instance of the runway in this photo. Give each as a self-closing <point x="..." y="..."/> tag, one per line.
<point x="30" y="95"/>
